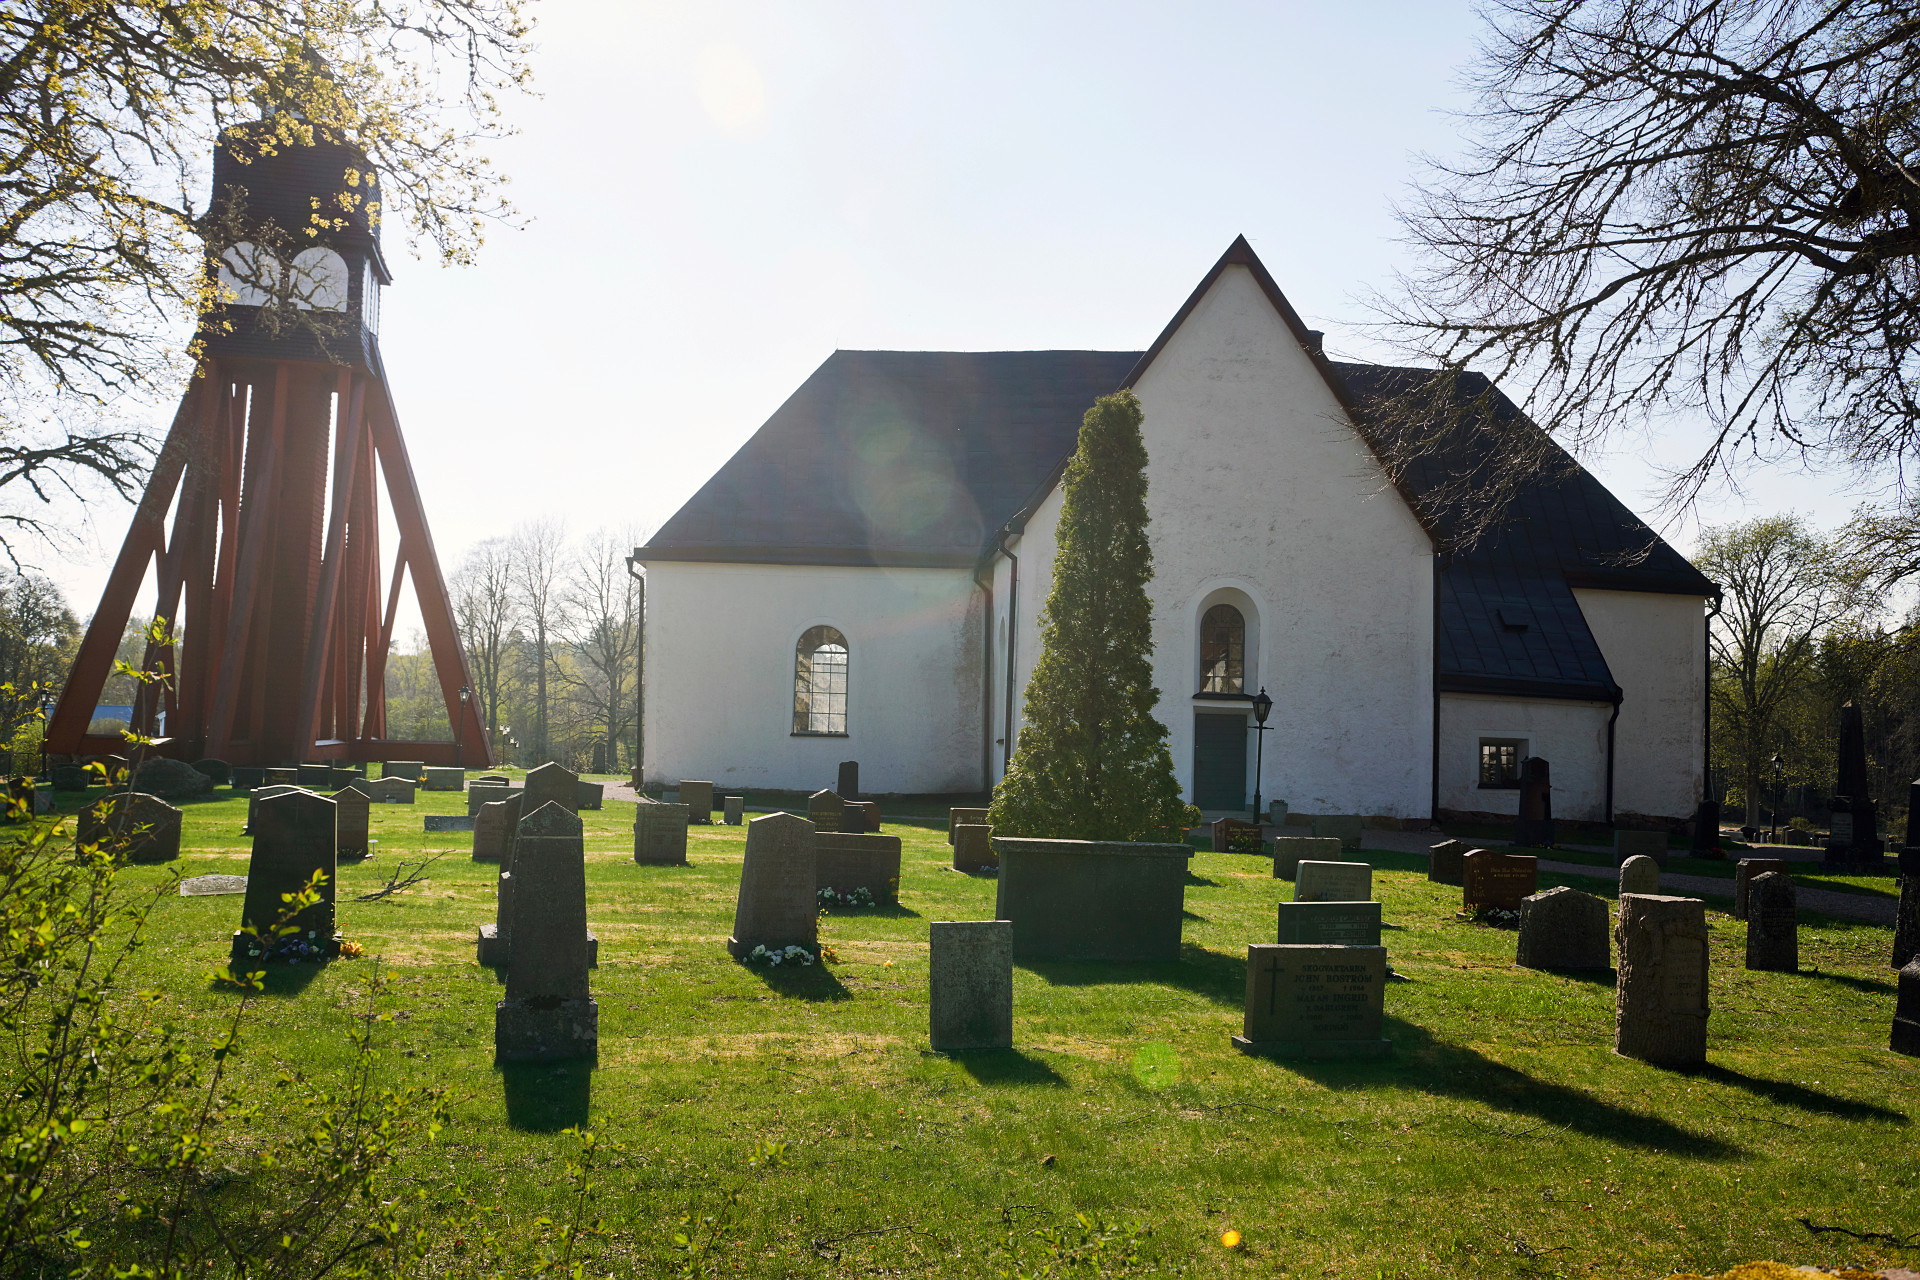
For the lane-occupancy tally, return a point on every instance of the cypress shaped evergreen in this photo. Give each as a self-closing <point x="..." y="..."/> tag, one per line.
<point x="1092" y="762"/>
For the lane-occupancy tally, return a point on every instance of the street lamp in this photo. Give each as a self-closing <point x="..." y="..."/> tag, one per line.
<point x="1773" y="827"/>
<point x="460" y="730"/>
<point x="1262" y="707"/>
<point x="46" y="722"/>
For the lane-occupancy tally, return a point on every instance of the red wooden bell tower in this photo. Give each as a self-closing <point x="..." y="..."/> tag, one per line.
<point x="271" y="566"/>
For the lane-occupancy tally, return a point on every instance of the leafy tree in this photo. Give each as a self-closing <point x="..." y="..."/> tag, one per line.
<point x="38" y="638"/>
<point x="1706" y="207"/>
<point x="1093" y="762"/>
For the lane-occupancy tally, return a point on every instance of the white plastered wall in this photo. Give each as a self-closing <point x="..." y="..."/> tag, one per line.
<point x="719" y="672"/>
<point x="1654" y="645"/>
<point x="1256" y="484"/>
<point x="1571" y="736"/>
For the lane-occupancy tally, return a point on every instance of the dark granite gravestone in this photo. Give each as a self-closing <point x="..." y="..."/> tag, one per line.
<point x="1340" y="924"/>
<point x="698" y="797"/>
<point x="1660" y="997"/>
<point x="823" y="810"/>
<point x="550" y="784"/>
<point x="1562" y="929"/>
<point x="293" y="840"/>
<point x="480" y="793"/>
<point x="845" y="862"/>
<point x="591" y="795"/>
<point x="1290" y="851"/>
<point x="733" y="810"/>
<point x="1443" y="862"/>
<point x="1743" y="874"/>
<point x="1534" y="827"/>
<point x="314" y="777"/>
<point x="1498" y="880"/>
<point x="1333" y="882"/>
<point x="872" y="809"/>
<point x="779" y="904"/>
<point x="548" y="1015"/>
<point x="853" y="819"/>
<point x="973" y="847"/>
<point x="1773" y="923"/>
<point x="246" y="777"/>
<point x="1639" y="844"/>
<point x="660" y="834"/>
<point x="964" y="817"/>
<point x="215" y="770"/>
<point x="411" y="770"/>
<point x="1706" y="830"/>
<point x="494" y="945"/>
<point x="490" y="778"/>
<point x="1092" y="900"/>
<point x="134" y="826"/>
<point x="71" y="777"/>
<point x="493" y="829"/>
<point x="848" y="783"/>
<point x="350" y="822"/>
<point x="446" y="822"/>
<point x="437" y="777"/>
<point x="1853" y="820"/>
<point x="1314" y="1002"/>
<point x="970" y="985"/>
<point x="1906" y="1011"/>
<point x="599" y="764"/>
<point x="1906" y="921"/>
<point x="391" y="790"/>
<point x="282" y="777"/>
<point x="258" y="794"/>
<point x="1230" y="835"/>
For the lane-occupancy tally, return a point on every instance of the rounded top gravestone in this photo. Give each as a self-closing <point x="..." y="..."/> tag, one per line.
<point x="1639" y="874"/>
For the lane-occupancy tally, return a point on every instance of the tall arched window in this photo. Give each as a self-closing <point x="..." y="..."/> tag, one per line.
<point x="1223" y="645"/>
<point x="820" y="682"/>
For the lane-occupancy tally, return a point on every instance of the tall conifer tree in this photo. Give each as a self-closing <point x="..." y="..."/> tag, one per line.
<point x="1092" y="762"/>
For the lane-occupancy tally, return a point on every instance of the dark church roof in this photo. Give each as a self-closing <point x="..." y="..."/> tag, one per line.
<point x="921" y="457"/>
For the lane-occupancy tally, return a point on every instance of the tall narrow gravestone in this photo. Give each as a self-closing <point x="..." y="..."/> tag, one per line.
<point x="1906" y="924"/>
<point x="1314" y="1002"/>
<point x="1906" y="1012"/>
<point x="1660" y="998"/>
<point x="1534" y="826"/>
<point x="848" y="782"/>
<point x="970" y="985"/>
<point x="1443" y="862"/>
<point x="548" y="1015"/>
<point x="350" y="823"/>
<point x="698" y="797"/>
<point x="293" y="840"/>
<point x="494" y="946"/>
<point x="1773" y="923"/>
<point x="1743" y="875"/>
<point x="1562" y="929"/>
<point x="551" y="784"/>
<point x="660" y="835"/>
<point x="134" y="826"/>
<point x="778" y="904"/>
<point x="493" y="829"/>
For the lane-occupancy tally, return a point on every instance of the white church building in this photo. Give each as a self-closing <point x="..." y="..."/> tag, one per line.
<point x="864" y="580"/>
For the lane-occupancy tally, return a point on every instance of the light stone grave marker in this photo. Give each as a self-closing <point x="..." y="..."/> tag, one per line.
<point x="493" y="829"/>
<point x="970" y="985"/>
<point x="1660" y="998"/>
<point x="734" y="810"/>
<point x="660" y="834"/>
<point x="824" y="810"/>
<point x="1333" y="882"/>
<point x="391" y="790"/>
<point x="137" y="827"/>
<point x="845" y="862"/>
<point x="350" y="823"/>
<point x="436" y="777"/>
<point x="1314" y="1002"/>
<point x="1639" y="874"/>
<point x="212" y="886"/>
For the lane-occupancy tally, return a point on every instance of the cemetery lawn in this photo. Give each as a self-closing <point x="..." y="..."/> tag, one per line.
<point x="1502" y="1138"/>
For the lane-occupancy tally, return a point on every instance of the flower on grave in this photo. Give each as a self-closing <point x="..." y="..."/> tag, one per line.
<point x="780" y="955"/>
<point x="860" y="897"/>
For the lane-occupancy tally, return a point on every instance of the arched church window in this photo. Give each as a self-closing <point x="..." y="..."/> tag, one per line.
<point x="319" y="280"/>
<point x="249" y="274"/>
<point x="1223" y="645"/>
<point x="820" y="682"/>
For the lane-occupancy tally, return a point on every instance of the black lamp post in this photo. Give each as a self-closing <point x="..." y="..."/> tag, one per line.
<point x="1773" y="827"/>
<point x="46" y="720"/>
<point x="460" y="730"/>
<point x="1262" y="707"/>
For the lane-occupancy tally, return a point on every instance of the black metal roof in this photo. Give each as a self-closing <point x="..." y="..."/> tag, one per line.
<point x="920" y="457"/>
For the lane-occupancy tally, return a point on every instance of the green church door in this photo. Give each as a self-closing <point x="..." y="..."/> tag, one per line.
<point x="1220" y="761"/>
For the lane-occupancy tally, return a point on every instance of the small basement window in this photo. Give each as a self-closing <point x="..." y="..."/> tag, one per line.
<point x="1500" y="763"/>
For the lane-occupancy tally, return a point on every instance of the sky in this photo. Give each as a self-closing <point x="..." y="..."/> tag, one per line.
<point x="718" y="195"/>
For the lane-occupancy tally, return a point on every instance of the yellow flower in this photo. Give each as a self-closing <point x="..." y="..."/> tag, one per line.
<point x="1230" y="1240"/>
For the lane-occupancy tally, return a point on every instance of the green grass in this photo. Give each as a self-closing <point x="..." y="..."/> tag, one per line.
<point x="1503" y="1137"/>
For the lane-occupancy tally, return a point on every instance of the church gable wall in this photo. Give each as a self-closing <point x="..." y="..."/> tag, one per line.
<point x="1654" y="645"/>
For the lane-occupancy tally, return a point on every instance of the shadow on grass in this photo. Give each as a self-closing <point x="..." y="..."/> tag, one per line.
<point x="1785" y="1093"/>
<point x="547" y="1097"/>
<point x="801" y="981"/>
<point x="1891" y="893"/>
<point x="1595" y="977"/>
<point x="1448" y="1070"/>
<point x="1388" y="859"/>
<point x="1007" y="1066"/>
<point x="280" y="979"/>
<point x="890" y="911"/>
<point x="1202" y="881"/>
<point x="1220" y="978"/>
<point x="1870" y="986"/>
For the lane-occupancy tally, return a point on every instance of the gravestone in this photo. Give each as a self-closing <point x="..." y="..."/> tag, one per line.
<point x="599" y="758"/>
<point x="733" y="810"/>
<point x="435" y="777"/>
<point x="660" y="834"/>
<point x="591" y="795"/>
<point x="1639" y="874"/>
<point x="1906" y="1011"/>
<point x="494" y="945"/>
<point x="341" y="776"/>
<point x="1660" y="998"/>
<point x="350" y="823"/>
<point x="1744" y="872"/>
<point x="548" y="1015"/>
<point x="1290" y="851"/>
<point x="823" y="810"/>
<point x="1230" y="835"/>
<point x="1853" y="820"/>
<point x="216" y="771"/>
<point x="70" y="777"/>
<point x="411" y="770"/>
<point x="973" y="847"/>
<point x="1639" y="844"/>
<point x="247" y="777"/>
<point x="1501" y="881"/>
<point x="1443" y="862"/>
<point x="1344" y="827"/>
<point x="500" y="778"/>
<point x="447" y="822"/>
<point x="1534" y="826"/>
<point x="964" y="817"/>
<point x="844" y="862"/>
<point x="698" y="797"/>
<point x="1906" y="922"/>
<point x="1092" y="900"/>
<point x="848" y="782"/>
<point x="293" y="840"/>
<point x="550" y="784"/>
<point x="1773" y="923"/>
<point x="853" y="819"/>
<point x="212" y="886"/>
<point x="1314" y="1002"/>
<point x="135" y="826"/>
<point x="778" y="904"/>
<point x="391" y="790"/>
<point x="314" y="777"/>
<point x="255" y="796"/>
<point x="1333" y="882"/>
<point x="363" y="785"/>
<point x="493" y="829"/>
<point x="970" y="985"/>
<point x="488" y="793"/>
<point x="1562" y="929"/>
<point x="1343" y="924"/>
<point x="282" y="778"/>
<point x="1276" y="813"/>
<point x="872" y="809"/>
